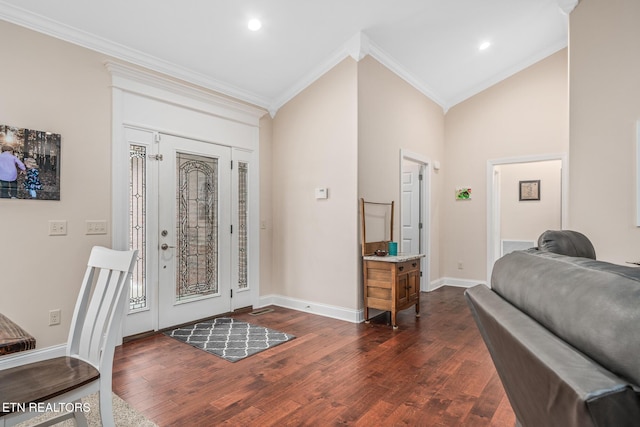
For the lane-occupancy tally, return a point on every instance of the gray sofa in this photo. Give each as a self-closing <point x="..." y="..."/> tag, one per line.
<point x="563" y="330"/>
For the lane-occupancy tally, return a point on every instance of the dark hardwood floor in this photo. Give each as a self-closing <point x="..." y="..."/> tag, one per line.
<point x="433" y="371"/>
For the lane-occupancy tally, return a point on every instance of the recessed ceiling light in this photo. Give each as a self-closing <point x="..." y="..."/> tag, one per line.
<point x="484" y="45"/>
<point x="254" y="24"/>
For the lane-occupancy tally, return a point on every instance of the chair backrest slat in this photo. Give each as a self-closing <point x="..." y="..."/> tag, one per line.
<point x="97" y="317"/>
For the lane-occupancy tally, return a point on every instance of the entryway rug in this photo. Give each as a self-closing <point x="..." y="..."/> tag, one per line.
<point x="229" y="338"/>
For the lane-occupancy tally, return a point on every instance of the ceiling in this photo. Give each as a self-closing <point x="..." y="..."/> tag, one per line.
<point x="433" y="44"/>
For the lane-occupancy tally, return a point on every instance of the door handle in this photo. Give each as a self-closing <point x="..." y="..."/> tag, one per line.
<point x="164" y="246"/>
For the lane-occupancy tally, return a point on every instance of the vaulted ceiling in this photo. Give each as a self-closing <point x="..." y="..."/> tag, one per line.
<point x="433" y="44"/>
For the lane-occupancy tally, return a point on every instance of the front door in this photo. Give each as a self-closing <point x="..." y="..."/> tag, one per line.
<point x="184" y="197"/>
<point x="194" y="188"/>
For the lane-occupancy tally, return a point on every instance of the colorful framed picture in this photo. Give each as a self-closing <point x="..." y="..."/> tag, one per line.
<point x="463" y="193"/>
<point x="529" y="190"/>
<point x="29" y="164"/>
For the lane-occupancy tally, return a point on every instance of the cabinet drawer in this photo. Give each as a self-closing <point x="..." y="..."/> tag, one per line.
<point x="408" y="266"/>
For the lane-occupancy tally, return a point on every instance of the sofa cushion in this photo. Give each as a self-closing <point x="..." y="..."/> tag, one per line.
<point x="566" y="242"/>
<point x="593" y="305"/>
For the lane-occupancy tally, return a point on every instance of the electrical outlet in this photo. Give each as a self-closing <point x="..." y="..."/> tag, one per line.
<point x="54" y="317"/>
<point x="96" y="227"/>
<point x="57" y="227"/>
<point x="460" y="265"/>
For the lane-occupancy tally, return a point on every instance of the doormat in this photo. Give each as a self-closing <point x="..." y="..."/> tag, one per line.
<point x="229" y="338"/>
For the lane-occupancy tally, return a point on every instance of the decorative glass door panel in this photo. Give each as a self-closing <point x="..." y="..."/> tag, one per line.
<point x="195" y="227"/>
<point x="138" y="226"/>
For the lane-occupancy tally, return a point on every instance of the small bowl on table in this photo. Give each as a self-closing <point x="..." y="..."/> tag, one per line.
<point x="380" y="252"/>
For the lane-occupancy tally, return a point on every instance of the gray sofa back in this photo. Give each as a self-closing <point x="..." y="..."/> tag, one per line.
<point x="592" y="305"/>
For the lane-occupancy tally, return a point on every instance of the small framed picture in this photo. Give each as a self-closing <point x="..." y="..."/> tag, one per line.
<point x="530" y="190"/>
<point x="463" y="193"/>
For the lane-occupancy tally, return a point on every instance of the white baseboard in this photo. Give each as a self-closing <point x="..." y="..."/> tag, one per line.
<point x="30" y="356"/>
<point x="341" y="313"/>
<point x="452" y="281"/>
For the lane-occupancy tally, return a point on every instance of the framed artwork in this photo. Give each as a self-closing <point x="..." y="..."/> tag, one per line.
<point x="530" y="190"/>
<point x="29" y="164"/>
<point x="463" y="193"/>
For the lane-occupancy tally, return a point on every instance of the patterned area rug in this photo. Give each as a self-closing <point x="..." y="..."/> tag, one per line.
<point x="228" y="338"/>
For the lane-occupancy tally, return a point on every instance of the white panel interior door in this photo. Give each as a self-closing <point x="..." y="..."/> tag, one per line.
<point x="194" y="230"/>
<point x="410" y="208"/>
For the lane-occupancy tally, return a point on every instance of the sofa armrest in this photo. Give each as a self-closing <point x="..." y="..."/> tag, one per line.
<point x="547" y="381"/>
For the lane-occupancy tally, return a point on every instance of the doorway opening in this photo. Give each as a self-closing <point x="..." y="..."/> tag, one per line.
<point x="415" y="210"/>
<point x="515" y="222"/>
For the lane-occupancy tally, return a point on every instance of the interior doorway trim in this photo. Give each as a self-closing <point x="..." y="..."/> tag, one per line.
<point x="493" y="198"/>
<point x="425" y="212"/>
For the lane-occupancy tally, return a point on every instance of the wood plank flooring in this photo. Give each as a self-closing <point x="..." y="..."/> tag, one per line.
<point x="433" y="371"/>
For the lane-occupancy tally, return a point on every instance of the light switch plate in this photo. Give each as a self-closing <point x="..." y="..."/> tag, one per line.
<point x="57" y="227"/>
<point x="96" y="226"/>
<point x="322" y="193"/>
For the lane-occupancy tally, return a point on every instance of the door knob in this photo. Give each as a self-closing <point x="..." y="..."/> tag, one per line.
<point x="164" y="246"/>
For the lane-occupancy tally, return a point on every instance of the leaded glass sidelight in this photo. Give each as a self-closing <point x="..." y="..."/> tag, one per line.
<point x="243" y="193"/>
<point x="197" y="226"/>
<point x="138" y="231"/>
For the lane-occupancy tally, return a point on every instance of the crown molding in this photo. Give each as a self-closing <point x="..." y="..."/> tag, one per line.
<point x="357" y="47"/>
<point x="143" y="82"/>
<point x="388" y="61"/>
<point x="497" y="78"/>
<point x="72" y="35"/>
<point x="567" y="6"/>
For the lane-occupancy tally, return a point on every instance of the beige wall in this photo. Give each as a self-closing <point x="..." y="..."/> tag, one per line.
<point x="526" y="220"/>
<point x="605" y="107"/>
<point x="392" y="115"/>
<point x="524" y="115"/>
<point x="315" y="247"/>
<point x="344" y="132"/>
<point x="50" y="85"/>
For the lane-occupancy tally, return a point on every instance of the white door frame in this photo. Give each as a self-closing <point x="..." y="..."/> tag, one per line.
<point x="493" y="200"/>
<point x="425" y="212"/>
<point x="148" y="101"/>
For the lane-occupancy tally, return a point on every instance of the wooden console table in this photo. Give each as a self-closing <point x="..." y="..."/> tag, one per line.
<point x="391" y="283"/>
<point x="13" y="338"/>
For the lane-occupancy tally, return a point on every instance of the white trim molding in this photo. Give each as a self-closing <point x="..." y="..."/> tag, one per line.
<point x="326" y="310"/>
<point x="492" y="209"/>
<point x="567" y="6"/>
<point x="50" y="27"/>
<point x="452" y="281"/>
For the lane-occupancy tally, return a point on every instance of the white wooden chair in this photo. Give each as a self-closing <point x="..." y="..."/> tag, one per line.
<point x="88" y="363"/>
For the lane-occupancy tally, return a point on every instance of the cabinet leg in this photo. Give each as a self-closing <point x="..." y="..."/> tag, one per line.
<point x="394" y="323"/>
<point x="418" y="308"/>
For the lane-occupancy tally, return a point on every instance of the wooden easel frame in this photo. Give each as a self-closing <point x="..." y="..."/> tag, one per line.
<point x="369" y="248"/>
